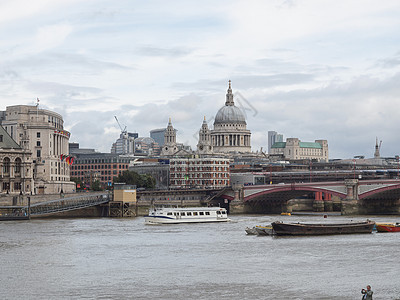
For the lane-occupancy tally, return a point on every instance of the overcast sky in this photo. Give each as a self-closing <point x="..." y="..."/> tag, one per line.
<point x="308" y="69"/>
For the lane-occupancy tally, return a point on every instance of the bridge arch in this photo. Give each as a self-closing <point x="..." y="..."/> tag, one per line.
<point x="291" y="191"/>
<point x="392" y="190"/>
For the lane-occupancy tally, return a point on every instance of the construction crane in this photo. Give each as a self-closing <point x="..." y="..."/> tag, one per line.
<point x="122" y="130"/>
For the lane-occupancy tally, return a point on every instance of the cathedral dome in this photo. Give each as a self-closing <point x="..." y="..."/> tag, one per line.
<point x="230" y="114"/>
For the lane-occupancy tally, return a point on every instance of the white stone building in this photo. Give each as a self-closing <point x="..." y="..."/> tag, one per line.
<point x="293" y="148"/>
<point x="15" y="166"/>
<point x="41" y="132"/>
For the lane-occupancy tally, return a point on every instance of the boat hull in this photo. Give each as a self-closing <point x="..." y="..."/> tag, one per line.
<point x="322" y="229"/>
<point x="264" y="230"/>
<point x="388" y="227"/>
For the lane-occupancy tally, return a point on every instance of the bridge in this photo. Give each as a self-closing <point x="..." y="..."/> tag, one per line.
<point x="48" y="208"/>
<point x="66" y="204"/>
<point x="348" y="196"/>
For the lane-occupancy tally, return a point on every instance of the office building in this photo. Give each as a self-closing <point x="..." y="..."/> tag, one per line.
<point x="294" y="149"/>
<point x="42" y="133"/>
<point x="273" y="137"/>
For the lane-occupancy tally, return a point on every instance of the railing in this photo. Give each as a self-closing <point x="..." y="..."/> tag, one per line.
<point x="66" y="204"/>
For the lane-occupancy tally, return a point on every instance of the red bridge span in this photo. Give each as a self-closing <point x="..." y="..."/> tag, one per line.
<point x="348" y="196"/>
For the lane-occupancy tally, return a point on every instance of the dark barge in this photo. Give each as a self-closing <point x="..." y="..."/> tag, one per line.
<point x="281" y="228"/>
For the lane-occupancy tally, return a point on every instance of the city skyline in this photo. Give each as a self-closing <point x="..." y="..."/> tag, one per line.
<point x="312" y="70"/>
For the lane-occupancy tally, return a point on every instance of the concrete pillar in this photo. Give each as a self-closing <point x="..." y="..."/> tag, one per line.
<point x="328" y="202"/>
<point x="237" y="205"/>
<point x="351" y="205"/>
<point x="318" y="204"/>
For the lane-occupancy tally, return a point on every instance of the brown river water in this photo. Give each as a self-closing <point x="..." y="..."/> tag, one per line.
<point x="105" y="258"/>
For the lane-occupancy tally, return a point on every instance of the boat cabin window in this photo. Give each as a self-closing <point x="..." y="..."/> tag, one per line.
<point x="183" y="214"/>
<point x="207" y="213"/>
<point x="189" y="213"/>
<point x="223" y="212"/>
<point x="195" y="213"/>
<point x="218" y="212"/>
<point x="201" y="213"/>
<point x="175" y="214"/>
<point x="169" y="214"/>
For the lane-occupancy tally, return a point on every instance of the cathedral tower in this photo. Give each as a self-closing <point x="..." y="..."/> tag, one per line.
<point x="170" y="146"/>
<point x="204" y="146"/>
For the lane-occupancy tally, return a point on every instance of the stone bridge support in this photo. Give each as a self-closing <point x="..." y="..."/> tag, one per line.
<point x="237" y="205"/>
<point x="351" y="205"/>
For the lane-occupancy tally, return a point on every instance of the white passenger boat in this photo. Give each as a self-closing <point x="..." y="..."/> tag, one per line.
<point x="175" y="215"/>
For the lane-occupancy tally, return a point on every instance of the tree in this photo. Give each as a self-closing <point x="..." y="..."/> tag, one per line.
<point x="78" y="182"/>
<point x="96" y="186"/>
<point x="149" y="181"/>
<point x="133" y="178"/>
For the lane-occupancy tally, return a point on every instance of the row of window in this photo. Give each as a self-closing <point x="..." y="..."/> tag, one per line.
<point x="102" y="160"/>
<point x="211" y="162"/>
<point x="201" y="175"/>
<point x="199" y="182"/>
<point x="189" y="213"/>
<point x="199" y="169"/>
<point x="6" y="186"/>
<point x="97" y="167"/>
<point x="7" y="164"/>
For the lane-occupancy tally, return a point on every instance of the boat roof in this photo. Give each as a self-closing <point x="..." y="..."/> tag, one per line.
<point x="189" y="208"/>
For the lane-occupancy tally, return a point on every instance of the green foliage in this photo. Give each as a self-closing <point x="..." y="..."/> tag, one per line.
<point x="96" y="186"/>
<point x="77" y="181"/>
<point x="133" y="178"/>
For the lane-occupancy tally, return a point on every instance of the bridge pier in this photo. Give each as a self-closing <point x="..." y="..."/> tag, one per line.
<point x="351" y="204"/>
<point x="237" y="206"/>
<point x="318" y="204"/>
<point x="336" y="203"/>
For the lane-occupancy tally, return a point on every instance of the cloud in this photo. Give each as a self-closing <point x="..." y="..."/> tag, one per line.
<point x="168" y="52"/>
<point x="308" y="69"/>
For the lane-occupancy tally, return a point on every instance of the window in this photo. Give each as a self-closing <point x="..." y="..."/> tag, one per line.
<point x="17" y="186"/>
<point x="207" y="213"/>
<point x="1" y="138"/>
<point x="17" y="166"/>
<point x="183" y="214"/>
<point x="189" y="213"/>
<point x="201" y="213"/>
<point x="38" y="153"/>
<point x="38" y="143"/>
<point x="38" y="134"/>
<point x="6" y="165"/>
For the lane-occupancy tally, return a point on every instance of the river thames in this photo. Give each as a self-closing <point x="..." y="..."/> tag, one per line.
<point x="105" y="258"/>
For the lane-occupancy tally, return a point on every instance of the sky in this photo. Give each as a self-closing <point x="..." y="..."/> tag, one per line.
<point x="311" y="69"/>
